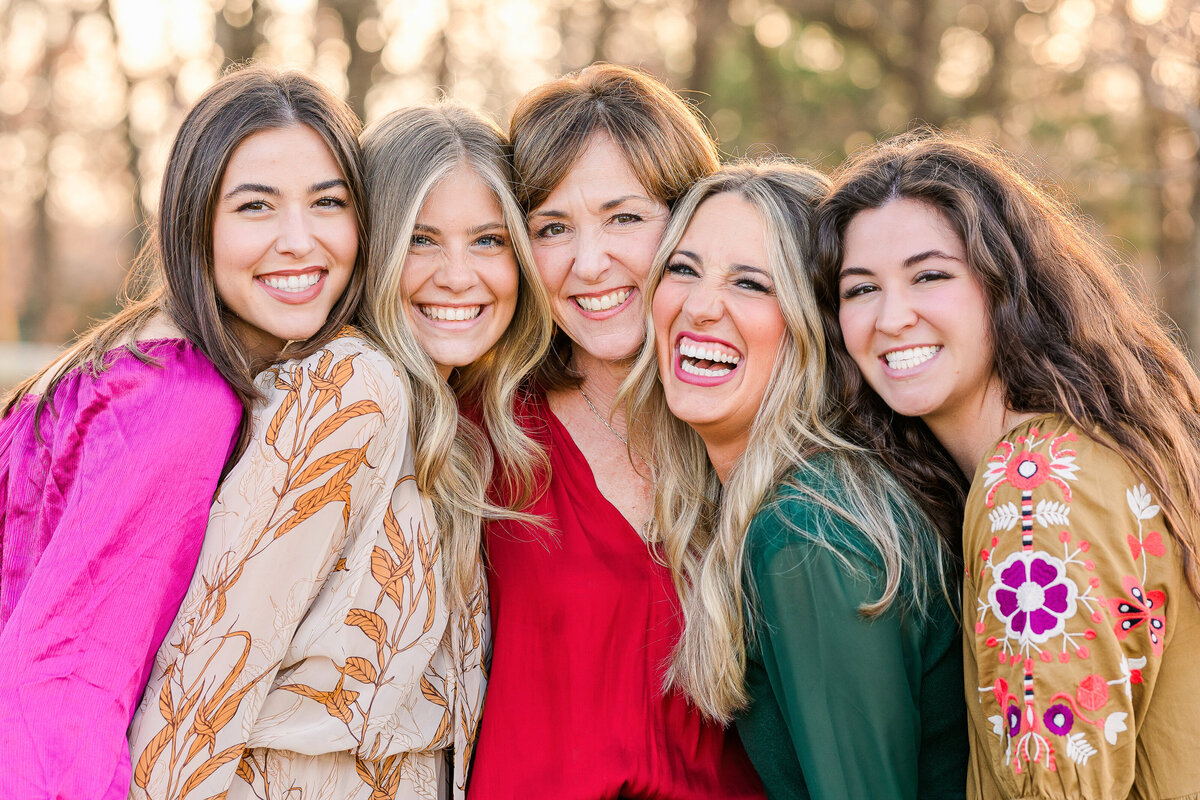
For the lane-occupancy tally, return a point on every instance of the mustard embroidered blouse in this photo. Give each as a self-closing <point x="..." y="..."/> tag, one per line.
<point x="314" y="655"/>
<point x="1082" y="638"/>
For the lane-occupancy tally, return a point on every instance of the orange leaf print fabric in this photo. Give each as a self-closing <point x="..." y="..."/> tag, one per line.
<point x="314" y="657"/>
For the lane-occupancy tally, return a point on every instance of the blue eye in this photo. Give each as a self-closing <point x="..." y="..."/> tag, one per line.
<point x="491" y="240"/>
<point x="753" y="285"/>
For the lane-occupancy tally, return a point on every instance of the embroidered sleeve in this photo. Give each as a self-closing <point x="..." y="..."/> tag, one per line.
<point x="320" y="470"/>
<point x="1065" y="610"/>
<point x="841" y="681"/>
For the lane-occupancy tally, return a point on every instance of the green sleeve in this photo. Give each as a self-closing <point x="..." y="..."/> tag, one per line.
<point x="847" y="687"/>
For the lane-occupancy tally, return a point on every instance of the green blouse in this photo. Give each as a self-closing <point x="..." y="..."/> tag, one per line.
<point x="843" y="707"/>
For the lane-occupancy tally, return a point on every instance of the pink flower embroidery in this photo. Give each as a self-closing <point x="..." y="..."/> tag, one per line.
<point x="1140" y="608"/>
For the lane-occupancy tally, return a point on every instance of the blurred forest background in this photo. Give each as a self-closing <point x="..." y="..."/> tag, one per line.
<point x="1102" y="96"/>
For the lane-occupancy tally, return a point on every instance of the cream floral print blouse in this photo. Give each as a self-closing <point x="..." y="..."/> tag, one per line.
<point x="314" y="656"/>
<point x="1083" y="639"/>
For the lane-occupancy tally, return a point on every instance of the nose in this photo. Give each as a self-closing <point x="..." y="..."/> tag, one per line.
<point x="454" y="273"/>
<point x="592" y="259"/>
<point x="896" y="313"/>
<point x="296" y="236"/>
<point x="704" y="304"/>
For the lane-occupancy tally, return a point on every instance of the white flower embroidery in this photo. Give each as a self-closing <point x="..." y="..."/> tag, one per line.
<point x="1114" y="724"/>
<point x="1140" y="502"/>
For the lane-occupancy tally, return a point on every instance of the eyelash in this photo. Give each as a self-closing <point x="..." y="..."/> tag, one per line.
<point x="491" y="240"/>
<point x="630" y="218"/>
<point x="681" y="269"/>
<point x="752" y="285"/>
<point x="324" y="202"/>
<point x="544" y="231"/>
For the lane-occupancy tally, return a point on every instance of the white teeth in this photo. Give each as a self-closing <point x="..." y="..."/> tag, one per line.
<point x="692" y="349"/>
<point x="912" y="357"/>
<point x="604" y="303"/>
<point x="451" y="313"/>
<point x="292" y="283"/>
<point x="692" y="369"/>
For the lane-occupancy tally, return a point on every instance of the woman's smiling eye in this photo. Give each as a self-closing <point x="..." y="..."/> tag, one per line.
<point x="253" y="205"/>
<point x="420" y="240"/>
<point x="753" y="284"/>
<point x="625" y="217"/>
<point x="331" y="202"/>
<point x="927" y="275"/>
<point x="491" y="240"/>
<point x="681" y="269"/>
<point x="857" y="290"/>
<point x="550" y="229"/>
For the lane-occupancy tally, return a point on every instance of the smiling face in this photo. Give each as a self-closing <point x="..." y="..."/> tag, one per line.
<point x="914" y="316"/>
<point x="284" y="237"/>
<point x="459" y="279"/>
<point x="718" y="325"/>
<point x="593" y="240"/>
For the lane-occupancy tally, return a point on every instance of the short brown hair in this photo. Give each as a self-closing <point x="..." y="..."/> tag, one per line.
<point x="663" y="137"/>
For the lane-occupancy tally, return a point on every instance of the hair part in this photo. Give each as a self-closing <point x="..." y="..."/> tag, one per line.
<point x="1068" y="335"/>
<point x="702" y="525"/>
<point x="407" y="154"/>
<point x="665" y="140"/>
<point x="178" y="256"/>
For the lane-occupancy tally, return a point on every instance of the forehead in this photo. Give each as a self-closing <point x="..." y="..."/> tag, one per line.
<point x="602" y="169"/>
<point x="296" y="150"/>
<point x="899" y="229"/>
<point x="727" y="229"/>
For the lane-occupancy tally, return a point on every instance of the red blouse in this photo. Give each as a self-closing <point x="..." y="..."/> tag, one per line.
<point x="584" y="621"/>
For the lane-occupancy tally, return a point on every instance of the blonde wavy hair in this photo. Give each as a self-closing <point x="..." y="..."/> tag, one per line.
<point x="700" y="524"/>
<point x="405" y="155"/>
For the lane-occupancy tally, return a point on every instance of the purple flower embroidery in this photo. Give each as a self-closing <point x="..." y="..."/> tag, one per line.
<point x="1033" y="595"/>
<point x="1059" y="719"/>
<point x="1014" y="721"/>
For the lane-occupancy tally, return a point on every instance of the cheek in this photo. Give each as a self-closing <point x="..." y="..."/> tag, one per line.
<point x="641" y="250"/>
<point x="503" y="278"/>
<point x="551" y="265"/>
<point x="855" y="327"/>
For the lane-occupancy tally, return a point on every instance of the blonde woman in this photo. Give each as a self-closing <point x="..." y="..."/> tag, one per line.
<point x="331" y="644"/>
<point x="813" y="588"/>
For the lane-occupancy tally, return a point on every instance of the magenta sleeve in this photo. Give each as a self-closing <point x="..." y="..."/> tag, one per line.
<point x="132" y="478"/>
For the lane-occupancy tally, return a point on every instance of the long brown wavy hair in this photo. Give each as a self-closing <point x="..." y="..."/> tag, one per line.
<point x="1069" y="335"/>
<point x="178" y="257"/>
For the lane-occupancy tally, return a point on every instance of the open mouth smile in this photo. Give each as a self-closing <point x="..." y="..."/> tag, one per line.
<point x="705" y="362"/>
<point x="911" y="357"/>
<point x="601" y="303"/>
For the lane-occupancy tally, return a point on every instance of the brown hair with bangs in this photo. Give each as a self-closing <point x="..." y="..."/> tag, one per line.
<point x="664" y="138"/>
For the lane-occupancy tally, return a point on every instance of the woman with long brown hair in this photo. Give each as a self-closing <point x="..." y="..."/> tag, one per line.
<point x="991" y="351"/>
<point x="111" y="456"/>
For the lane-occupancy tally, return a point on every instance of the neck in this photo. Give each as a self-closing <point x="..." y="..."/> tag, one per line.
<point x="969" y="434"/>
<point x="724" y="454"/>
<point x="601" y="379"/>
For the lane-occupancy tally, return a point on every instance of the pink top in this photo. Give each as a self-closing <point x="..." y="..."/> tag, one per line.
<point x="100" y="529"/>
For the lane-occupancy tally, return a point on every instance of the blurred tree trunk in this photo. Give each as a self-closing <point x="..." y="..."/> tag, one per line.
<point x="360" y="74"/>
<point x="710" y="18"/>
<point x="238" y="30"/>
<point x="1178" y="255"/>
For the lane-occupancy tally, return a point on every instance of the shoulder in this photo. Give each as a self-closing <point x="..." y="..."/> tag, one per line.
<point x="178" y="375"/>
<point x="1051" y="454"/>
<point x="349" y="366"/>
<point x="804" y="513"/>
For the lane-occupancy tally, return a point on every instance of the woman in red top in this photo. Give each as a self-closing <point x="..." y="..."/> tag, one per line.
<point x="584" y="618"/>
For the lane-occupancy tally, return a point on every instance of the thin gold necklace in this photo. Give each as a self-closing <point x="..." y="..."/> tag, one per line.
<point x="600" y="417"/>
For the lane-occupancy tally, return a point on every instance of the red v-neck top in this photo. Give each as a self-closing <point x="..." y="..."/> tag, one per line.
<point x="584" y="622"/>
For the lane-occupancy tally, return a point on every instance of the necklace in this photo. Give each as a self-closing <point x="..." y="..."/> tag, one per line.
<point x="600" y="417"/>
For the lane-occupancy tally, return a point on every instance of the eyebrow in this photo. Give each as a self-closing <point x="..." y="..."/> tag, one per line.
<point x="273" y="191"/>
<point x="606" y="206"/>
<point x="911" y="261"/>
<point x="487" y="226"/>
